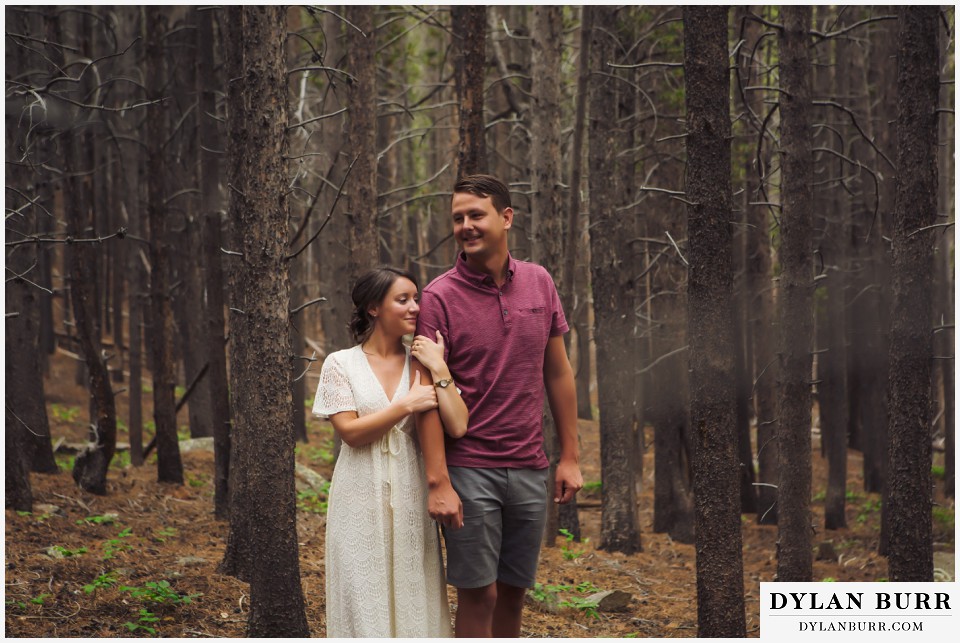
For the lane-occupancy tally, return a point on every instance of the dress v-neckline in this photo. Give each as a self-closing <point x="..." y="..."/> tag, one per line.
<point x="403" y="373"/>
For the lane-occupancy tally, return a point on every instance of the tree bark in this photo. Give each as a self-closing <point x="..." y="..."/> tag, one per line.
<point x="620" y="528"/>
<point x="794" y="551"/>
<point x="720" y="607"/>
<point x="545" y="214"/>
<point x="831" y="328"/>
<point x="762" y="306"/>
<point x="911" y="347"/>
<point x="469" y="26"/>
<point x="263" y="511"/>
<point x="364" y="237"/>
<point x="568" y="290"/>
<point x="211" y="206"/>
<point x="169" y="465"/>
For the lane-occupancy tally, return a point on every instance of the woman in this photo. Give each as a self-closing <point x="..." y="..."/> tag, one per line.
<point x="383" y="566"/>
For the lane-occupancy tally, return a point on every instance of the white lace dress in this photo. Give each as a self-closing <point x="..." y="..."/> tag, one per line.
<point x="383" y="566"/>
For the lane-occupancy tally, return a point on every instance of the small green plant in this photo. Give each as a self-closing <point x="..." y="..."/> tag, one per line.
<point x="587" y="586"/>
<point x="116" y="545"/>
<point x="585" y="605"/>
<point x="19" y="604"/>
<point x="938" y="472"/>
<point x="69" y="553"/>
<point x="313" y="501"/>
<point x="63" y="413"/>
<point x="829" y="579"/>
<point x="39" y="518"/>
<point x="161" y="535"/>
<point x="945" y="517"/>
<point x="318" y="454"/>
<point x="103" y="581"/>
<point x="594" y="485"/>
<point x="143" y="622"/>
<point x="105" y="519"/>
<point x="820" y="496"/>
<point x="159" y="592"/>
<point x="121" y="460"/>
<point x="871" y="506"/>
<point x="38" y="600"/>
<point x="197" y="481"/>
<point x="64" y="461"/>
<point x="568" y="552"/>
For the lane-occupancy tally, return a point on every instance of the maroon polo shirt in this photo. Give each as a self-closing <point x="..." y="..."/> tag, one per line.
<point x="496" y="339"/>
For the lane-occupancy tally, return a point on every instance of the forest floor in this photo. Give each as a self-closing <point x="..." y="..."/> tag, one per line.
<point x="71" y="564"/>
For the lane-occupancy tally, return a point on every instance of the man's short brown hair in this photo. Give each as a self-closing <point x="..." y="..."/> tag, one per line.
<point x="485" y="185"/>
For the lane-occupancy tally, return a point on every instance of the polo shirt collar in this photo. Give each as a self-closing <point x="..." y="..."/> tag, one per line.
<point x="474" y="276"/>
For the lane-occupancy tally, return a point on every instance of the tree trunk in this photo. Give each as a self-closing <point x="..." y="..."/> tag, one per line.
<point x="469" y="26"/>
<point x="720" y="608"/>
<point x="364" y="238"/>
<point x="911" y="347"/>
<point x="831" y="329"/>
<point x="23" y="394"/>
<point x="572" y="304"/>
<point x="211" y="206"/>
<point x="620" y="527"/>
<point x="762" y="306"/>
<point x="169" y="465"/>
<point x="263" y="511"/>
<point x="794" y="551"/>
<point x="545" y="214"/>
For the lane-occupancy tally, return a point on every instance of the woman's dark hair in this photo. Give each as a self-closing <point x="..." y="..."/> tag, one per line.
<point x="370" y="289"/>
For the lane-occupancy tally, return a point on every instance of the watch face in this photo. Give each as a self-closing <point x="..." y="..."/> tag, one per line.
<point x="443" y="383"/>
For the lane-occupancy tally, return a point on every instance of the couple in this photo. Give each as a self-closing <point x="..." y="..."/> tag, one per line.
<point x="453" y="435"/>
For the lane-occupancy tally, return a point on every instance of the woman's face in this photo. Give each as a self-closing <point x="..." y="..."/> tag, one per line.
<point x="397" y="313"/>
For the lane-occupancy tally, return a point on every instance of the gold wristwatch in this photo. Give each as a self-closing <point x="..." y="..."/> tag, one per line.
<point x="444" y="383"/>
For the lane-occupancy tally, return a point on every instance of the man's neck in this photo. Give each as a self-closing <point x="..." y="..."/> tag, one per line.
<point x="496" y="266"/>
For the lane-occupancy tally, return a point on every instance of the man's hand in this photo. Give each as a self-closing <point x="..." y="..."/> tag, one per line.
<point x="568" y="482"/>
<point x="444" y="506"/>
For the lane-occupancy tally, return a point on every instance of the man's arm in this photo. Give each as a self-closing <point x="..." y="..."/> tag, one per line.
<point x="443" y="503"/>
<point x="562" y="395"/>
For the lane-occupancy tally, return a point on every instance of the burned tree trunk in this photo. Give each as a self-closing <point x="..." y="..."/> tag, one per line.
<point x="911" y="347"/>
<point x="545" y="214"/>
<point x="169" y="465"/>
<point x="469" y="24"/>
<point x="364" y="239"/>
<point x="720" y="608"/>
<point x="794" y="551"/>
<point x="620" y="526"/>
<point x="211" y="206"/>
<point x="263" y="502"/>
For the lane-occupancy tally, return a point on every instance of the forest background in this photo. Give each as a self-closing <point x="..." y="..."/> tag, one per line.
<point x="748" y="214"/>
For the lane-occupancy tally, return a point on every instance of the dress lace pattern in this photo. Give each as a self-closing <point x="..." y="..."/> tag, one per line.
<point x="384" y="572"/>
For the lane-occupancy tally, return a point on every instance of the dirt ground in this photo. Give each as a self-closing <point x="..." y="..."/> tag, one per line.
<point x="69" y="562"/>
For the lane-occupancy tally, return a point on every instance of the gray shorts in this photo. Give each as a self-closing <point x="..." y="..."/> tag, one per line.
<point x="504" y="513"/>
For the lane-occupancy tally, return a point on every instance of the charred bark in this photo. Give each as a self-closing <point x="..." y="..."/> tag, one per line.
<point x="169" y="465"/>
<point x="720" y="607"/>
<point x="911" y="348"/>
<point x="364" y="238"/>
<point x="469" y="26"/>
<point x="263" y="503"/>
<point x="620" y="528"/>
<point x="794" y="551"/>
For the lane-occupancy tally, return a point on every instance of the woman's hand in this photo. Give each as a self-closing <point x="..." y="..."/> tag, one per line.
<point x="430" y="354"/>
<point x="421" y="397"/>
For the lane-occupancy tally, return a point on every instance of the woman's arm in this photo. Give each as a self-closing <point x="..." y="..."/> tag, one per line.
<point x="359" y="431"/>
<point x="453" y="412"/>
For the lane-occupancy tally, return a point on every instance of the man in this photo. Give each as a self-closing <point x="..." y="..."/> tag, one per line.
<point x="503" y="325"/>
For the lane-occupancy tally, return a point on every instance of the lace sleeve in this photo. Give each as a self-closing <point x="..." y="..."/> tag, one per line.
<point x="334" y="393"/>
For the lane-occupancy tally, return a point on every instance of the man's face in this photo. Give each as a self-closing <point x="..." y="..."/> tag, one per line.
<point x="479" y="229"/>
